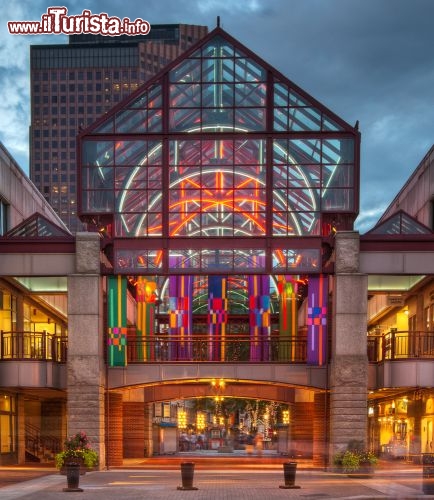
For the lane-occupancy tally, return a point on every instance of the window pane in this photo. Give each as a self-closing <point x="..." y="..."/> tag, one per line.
<point x="185" y="95"/>
<point x="98" y="153"/>
<point x="250" y="118"/>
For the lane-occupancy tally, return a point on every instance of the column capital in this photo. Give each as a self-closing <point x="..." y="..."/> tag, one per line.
<point x="87" y="253"/>
<point x="347" y="247"/>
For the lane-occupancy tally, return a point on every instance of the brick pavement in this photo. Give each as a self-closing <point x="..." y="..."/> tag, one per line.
<point x="13" y="475"/>
<point x="221" y="484"/>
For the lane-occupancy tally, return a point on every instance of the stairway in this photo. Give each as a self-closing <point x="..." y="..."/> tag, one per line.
<point x="40" y="448"/>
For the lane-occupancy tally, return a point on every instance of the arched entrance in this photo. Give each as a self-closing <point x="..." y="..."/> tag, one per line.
<point x="169" y="418"/>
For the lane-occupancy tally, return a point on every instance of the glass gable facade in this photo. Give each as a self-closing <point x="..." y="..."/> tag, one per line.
<point x="219" y="146"/>
<point x="398" y="224"/>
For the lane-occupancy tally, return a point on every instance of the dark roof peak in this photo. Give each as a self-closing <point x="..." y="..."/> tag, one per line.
<point x="37" y="226"/>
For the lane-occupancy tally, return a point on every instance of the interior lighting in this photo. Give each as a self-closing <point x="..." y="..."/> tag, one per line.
<point x="200" y="421"/>
<point x="220" y="384"/>
<point x="182" y="418"/>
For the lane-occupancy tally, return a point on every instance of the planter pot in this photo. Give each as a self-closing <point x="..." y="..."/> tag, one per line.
<point x="72" y="477"/>
<point x="289" y="471"/>
<point x="428" y="473"/>
<point x="187" y="475"/>
<point x="80" y="462"/>
<point x="363" y="472"/>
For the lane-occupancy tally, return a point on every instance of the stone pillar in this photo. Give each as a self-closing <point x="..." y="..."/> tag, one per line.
<point x="349" y="362"/>
<point x="86" y="378"/>
<point x="149" y="443"/>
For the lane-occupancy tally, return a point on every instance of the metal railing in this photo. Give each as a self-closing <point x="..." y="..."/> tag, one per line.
<point x="206" y="348"/>
<point x="395" y="345"/>
<point x="42" y="346"/>
<point x="40" y="446"/>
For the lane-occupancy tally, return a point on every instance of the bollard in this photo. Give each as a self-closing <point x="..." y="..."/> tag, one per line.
<point x="289" y="470"/>
<point x="428" y="473"/>
<point x="187" y="473"/>
<point x="72" y="477"/>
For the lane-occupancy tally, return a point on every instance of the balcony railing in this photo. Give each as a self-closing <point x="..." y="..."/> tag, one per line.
<point x="24" y="346"/>
<point x="44" y="346"/>
<point x="395" y="345"/>
<point x="204" y="348"/>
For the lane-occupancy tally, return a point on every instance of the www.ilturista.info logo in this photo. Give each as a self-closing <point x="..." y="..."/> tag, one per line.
<point x="56" y="22"/>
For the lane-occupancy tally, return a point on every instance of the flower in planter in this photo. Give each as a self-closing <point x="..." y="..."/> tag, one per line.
<point x="353" y="461"/>
<point x="355" y="458"/>
<point x="77" y="450"/>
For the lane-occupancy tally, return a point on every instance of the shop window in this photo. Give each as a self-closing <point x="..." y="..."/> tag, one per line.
<point x="8" y="435"/>
<point x="7" y="311"/>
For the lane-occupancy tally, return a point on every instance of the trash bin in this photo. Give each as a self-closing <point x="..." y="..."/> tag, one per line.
<point x="428" y="473"/>
<point x="187" y="474"/>
<point x="289" y="471"/>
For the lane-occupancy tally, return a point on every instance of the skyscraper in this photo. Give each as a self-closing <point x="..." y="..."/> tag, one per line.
<point x="73" y="84"/>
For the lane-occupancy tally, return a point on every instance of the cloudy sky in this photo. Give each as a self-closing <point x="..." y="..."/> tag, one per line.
<point x="366" y="60"/>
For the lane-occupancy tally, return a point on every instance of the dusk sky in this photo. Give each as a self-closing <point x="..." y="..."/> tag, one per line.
<point x="366" y="60"/>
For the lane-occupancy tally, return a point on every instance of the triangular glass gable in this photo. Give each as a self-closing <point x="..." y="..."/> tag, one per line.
<point x="211" y="147"/>
<point x="219" y="86"/>
<point x="36" y="226"/>
<point x="400" y="223"/>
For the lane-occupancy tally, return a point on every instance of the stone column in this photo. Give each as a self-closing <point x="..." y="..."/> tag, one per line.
<point x="349" y="362"/>
<point x="86" y="378"/>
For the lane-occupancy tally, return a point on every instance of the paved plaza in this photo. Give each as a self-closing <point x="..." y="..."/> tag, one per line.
<point x="249" y="482"/>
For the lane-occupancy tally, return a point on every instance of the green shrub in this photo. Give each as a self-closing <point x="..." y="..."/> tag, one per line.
<point x="354" y="457"/>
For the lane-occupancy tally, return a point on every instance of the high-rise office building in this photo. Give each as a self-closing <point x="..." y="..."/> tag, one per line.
<point x="73" y="84"/>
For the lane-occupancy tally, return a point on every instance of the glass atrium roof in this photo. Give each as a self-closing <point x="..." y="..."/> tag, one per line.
<point x="219" y="145"/>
